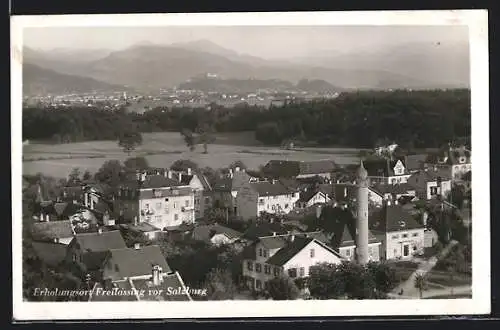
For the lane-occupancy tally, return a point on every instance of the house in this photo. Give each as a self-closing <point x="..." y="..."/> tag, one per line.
<point x="402" y="236"/>
<point x="91" y="248"/>
<point x="455" y="161"/>
<point x="299" y="169"/>
<point x="347" y="193"/>
<point x="310" y="197"/>
<point x="415" y="163"/>
<point x="226" y="188"/>
<point x="344" y="243"/>
<point x="201" y="189"/>
<point x="386" y="171"/>
<point x="430" y="183"/>
<point x="159" y="200"/>
<point x="262" y="229"/>
<point x="216" y="234"/>
<point x="158" y="287"/>
<point x="290" y="255"/>
<point x="136" y="262"/>
<point x="53" y="231"/>
<point x="381" y="192"/>
<point x="256" y="198"/>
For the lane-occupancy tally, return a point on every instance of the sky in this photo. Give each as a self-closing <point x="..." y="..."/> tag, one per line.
<point x="262" y="41"/>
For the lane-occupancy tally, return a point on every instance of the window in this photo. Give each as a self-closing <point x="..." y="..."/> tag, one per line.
<point x="267" y="269"/>
<point x="166" y="199"/>
<point x="260" y="252"/>
<point x="286" y="206"/>
<point x="196" y="201"/>
<point x="302" y="272"/>
<point x="264" y="253"/>
<point x="176" y="217"/>
<point x="166" y="209"/>
<point x="75" y="257"/>
<point x="146" y="206"/>
<point x="250" y="265"/>
<point x="261" y="201"/>
<point x="207" y="200"/>
<point x="370" y="250"/>
<point x="277" y="271"/>
<point x="273" y="207"/>
<point x="158" y="218"/>
<point x="434" y="191"/>
<point x="292" y="272"/>
<point x="414" y="234"/>
<point x="175" y="205"/>
<point x="258" y="284"/>
<point x="311" y="253"/>
<point x="158" y="206"/>
<point x="116" y="268"/>
<point x="394" y="236"/>
<point x="187" y="203"/>
<point x="348" y="252"/>
<point x="258" y="268"/>
<point x="405" y="235"/>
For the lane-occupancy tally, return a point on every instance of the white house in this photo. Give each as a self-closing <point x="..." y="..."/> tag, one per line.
<point x="310" y="197"/>
<point x="255" y="198"/>
<point x="291" y="255"/>
<point x="430" y="183"/>
<point x="161" y="200"/>
<point x="456" y="161"/>
<point x="402" y="236"/>
<point x="385" y="171"/>
<point x="201" y="189"/>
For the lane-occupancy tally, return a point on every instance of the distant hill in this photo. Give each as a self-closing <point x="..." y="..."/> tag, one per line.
<point x="151" y="67"/>
<point x="317" y="85"/>
<point x="38" y="81"/>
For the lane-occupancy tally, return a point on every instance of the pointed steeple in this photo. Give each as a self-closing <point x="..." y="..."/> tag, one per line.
<point x="361" y="173"/>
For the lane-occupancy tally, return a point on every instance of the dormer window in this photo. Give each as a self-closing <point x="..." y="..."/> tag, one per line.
<point x="462" y="160"/>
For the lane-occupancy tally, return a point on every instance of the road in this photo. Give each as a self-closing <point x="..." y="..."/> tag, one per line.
<point x="436" y="293"/>
<point x="408" y="286"/>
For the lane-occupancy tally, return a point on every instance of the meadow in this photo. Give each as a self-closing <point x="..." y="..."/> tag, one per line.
<point x="162" y="149"/>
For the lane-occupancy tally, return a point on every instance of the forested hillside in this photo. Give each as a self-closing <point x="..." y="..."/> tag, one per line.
<point x="359" y="119"/>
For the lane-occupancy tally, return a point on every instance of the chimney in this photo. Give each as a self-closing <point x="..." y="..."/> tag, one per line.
<point x="395" y="201"/>
<point x="180" y="176"/>
<point x="47" y="217"/>
<point x="424" y="218"/>
<point x="345" y="191"/>
<point x="135" y="220"/>
<point x="231" y="173"/>
<point x="169" y="174"/>
<point x="99" y="230"/>
<point x="137" y="246"/>
<point x="56" y="240"/>
<point x="388" y="203"/>
<point x="189" y="171"/>
<point x="237" y="168"/>
<point x="274" y="233"/>
<point x="292" y="238"/>
<point x="157" y="275"/>
<point x="143" y="177"/>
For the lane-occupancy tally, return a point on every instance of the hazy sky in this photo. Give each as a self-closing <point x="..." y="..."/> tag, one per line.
<point x="262" y="41"/>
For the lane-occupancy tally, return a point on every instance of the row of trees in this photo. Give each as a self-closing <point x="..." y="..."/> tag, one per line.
<point x="418" y="118"/>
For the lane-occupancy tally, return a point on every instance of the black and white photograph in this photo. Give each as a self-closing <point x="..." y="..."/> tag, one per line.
<point x="250" y="164"/>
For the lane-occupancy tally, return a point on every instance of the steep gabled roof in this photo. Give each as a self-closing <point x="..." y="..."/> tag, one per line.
<point x="290" y="169"/>
<point x="223" y="184"/>
<point x="382" y="167"/>
<point x="400" y="188"/>
<point x="292" y="248"/>
<point x="160" y="181"/>
<point x="391" y="218"/>
<point x="100" y="242"/>
<point x="270" y="189"/>
<point x="133" y="262"/>
<point x="49" y="252"/>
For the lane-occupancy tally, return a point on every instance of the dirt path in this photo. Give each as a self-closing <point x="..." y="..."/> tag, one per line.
<point x="424" y="267"/>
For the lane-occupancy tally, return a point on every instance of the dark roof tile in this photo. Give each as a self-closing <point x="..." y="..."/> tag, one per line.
<point x="138" y="262"/>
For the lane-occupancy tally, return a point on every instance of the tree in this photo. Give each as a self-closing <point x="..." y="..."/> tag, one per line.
<point x="384" y="276"/>
<point x="457" y="195"/>
<point x="129" y="140"/>
<point x="282" y="288"/>
<point x="86" y="176"/>
<point x="238" y="163"/>
<point x="420" y="283"/>
<point x="205" y="136"/>
<point x="110" y="173"/>
<point x="219" y="284"/>
<point x="136" y="163"/>
<point x="325" y="282"/>
<point x="74" y="175"/>
<point x="189" y="139"/>
<point x="183" y="165"/>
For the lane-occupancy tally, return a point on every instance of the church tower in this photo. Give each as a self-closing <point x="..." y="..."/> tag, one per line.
<point x="362" y="215"/>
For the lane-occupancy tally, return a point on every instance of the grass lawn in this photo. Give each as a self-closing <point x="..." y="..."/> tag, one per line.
<point x="444" y="278"/>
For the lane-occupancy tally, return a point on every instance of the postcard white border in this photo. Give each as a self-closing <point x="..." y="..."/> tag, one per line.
<point x="476" y="20"/>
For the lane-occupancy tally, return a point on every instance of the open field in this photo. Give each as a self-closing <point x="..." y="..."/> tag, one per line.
<point x="162" y="149"/>
<point x="446" y="279"/>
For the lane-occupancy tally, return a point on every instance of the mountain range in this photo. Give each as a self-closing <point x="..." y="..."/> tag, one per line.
<point x="147" y="66"/>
